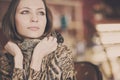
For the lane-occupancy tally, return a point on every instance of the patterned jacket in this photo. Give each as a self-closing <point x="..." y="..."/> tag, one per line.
<point x="58" y="65"/>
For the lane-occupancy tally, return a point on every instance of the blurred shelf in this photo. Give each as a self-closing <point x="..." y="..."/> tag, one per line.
<point x="65" y="3"/>
<point x="106" y="21"/>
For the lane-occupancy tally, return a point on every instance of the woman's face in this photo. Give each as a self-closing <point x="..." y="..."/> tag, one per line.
<point x="30" y="18"/>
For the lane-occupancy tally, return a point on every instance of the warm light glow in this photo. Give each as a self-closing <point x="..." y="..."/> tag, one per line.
<point x="110" y="38"/>
<point x="114" y="51"/>
<point x="108" y="27"/>
<point x="109" y="33"/>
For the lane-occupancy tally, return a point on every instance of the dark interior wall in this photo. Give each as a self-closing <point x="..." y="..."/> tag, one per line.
<point x="3" y="8"/>
<point x="114" y="6"/>
<point x="88" y="8"/>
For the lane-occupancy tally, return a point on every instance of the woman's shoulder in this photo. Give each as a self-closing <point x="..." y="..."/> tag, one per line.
<point x="5" y="63"/>
<point x="62" y="48"/>
<point x="64" y="58"/>
<point x="63" y="51"/>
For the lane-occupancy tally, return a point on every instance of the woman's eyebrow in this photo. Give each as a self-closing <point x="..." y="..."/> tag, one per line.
<point x="30" y="8"/>
<point x="41" y="8"/>
<point x="24" y="8"/>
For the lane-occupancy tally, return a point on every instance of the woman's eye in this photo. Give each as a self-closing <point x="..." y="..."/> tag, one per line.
<point x="25" y="12"/>
<point x="42" y="13"/>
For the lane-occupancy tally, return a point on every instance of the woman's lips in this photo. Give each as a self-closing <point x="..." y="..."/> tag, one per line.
<point x="33" y="28"/>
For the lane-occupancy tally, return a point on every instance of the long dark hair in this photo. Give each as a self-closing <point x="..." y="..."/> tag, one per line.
<point x="9" y="26"/>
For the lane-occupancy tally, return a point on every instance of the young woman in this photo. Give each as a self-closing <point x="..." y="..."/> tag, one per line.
<point x="33" y="51"/>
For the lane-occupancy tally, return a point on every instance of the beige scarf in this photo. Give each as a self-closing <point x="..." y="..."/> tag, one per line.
<point x="58" y="65"/>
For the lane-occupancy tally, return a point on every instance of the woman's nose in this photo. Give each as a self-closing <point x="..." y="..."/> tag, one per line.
<point x="34" y="18"/>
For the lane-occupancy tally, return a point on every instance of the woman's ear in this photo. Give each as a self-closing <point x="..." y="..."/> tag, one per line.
<point x="3" y="39"/>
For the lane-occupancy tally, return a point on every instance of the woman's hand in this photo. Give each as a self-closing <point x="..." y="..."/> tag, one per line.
<point x="43" y="48"/>
<point x="14" y="50"/>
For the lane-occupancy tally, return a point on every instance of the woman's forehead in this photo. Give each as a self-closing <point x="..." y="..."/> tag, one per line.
<point x="31" y="4"/>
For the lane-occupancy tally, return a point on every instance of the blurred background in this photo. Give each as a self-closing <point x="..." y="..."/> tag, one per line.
<point x="91" y="28"/>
